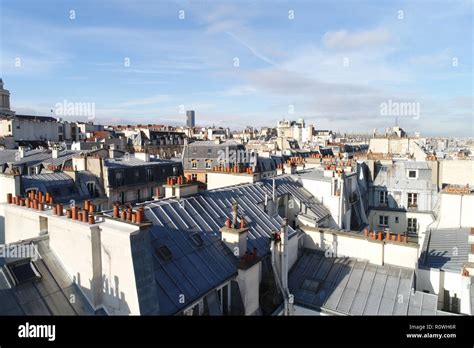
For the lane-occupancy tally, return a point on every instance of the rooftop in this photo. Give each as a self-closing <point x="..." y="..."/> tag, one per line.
<point x="196" y="263"/>
<point x="132" y="161"/>
<point x="48" y="295"/>
<point x="445" y="249"/>
<point x="355" y="287"/>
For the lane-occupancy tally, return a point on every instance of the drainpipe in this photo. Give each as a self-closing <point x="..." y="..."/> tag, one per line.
<point x="282" y="276"/>
<point x="284" y="267"/>
<point x="277" y="276"/>
<point x="273" y="191"/>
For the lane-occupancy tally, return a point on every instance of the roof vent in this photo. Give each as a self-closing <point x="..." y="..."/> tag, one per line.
<point x="163" y="252"/>
<point x="197" y="239"/>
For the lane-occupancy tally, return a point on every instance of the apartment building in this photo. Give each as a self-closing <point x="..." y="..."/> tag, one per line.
<point x="403" y="197"/>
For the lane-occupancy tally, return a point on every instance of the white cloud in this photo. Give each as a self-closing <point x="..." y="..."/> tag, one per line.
<point x="343" y="39"/>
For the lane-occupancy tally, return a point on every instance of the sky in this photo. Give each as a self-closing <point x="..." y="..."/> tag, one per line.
<point x="239" y="63"/>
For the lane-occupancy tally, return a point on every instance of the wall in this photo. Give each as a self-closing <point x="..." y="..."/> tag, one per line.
<point x="358" y="246"/>
<point x="423" y="220"/>
<point x="218" y="180"/>
<point x="15" y="231"/>
<point x="457" y="172"/>
<point x="120" y="294"/>
<point x="404" y="255"/>
<point x="9" y="184"/>
<point x="35" y="130"/>
<point x="455" y="211"/>
<point x="436" y="281"/>
<point x="322" y="190"/>
<point x="73" y="244"/>
<point x="249" y="285"/>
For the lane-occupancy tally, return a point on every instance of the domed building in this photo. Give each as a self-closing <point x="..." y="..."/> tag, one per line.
<point x="5" y="101"/>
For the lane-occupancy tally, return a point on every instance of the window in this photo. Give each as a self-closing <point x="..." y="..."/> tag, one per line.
<point x="412" y="225"/>
<point x="209" y="150"/>
<point x="412" y="200"/>
<point x="383" y="197"/>
<point x="194" y="176"/>
<point x="310" y="285"/>
<point x="151" y="192"/>
<point x="119" y="178"/>
<point x="23" y="271"/>
<point x="383" y="220"/>
<point x="197" y="239"/>
<point x="208" y="164"/>
<point x="31" y="189"/>
<point x="9" y="127"/>
<point x="122" y="197"/>
<point x="397" y="219"/>
<point x="137" y="174"/>
<point x="412" y="174"/>
<point x="163" y="252"/>
<point x="194" y="164"/>
<point x="138" y="195"/>
<point x="91" y="188"/>
<point x="149" y="174"/>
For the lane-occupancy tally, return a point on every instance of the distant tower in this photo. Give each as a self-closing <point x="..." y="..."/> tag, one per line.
<point x="190" y="119"/>
<point x="5" y="101"/>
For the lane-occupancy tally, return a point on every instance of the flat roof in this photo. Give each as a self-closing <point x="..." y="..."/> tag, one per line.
<point x="351" y="286"/>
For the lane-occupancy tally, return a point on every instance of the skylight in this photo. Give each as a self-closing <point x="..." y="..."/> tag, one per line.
<point x="163" y="252"/>
<point x="23" y="272"/>
<point x="197" y="239"/>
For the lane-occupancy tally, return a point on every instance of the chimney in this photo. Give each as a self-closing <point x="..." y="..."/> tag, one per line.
<point x="235" y="209"/>
<point x="112" y="152"/>
<point x="144" y="156"/>
<point x="22" y="151"/>
<point x="55" y="152"/>
<point x="235" y="235"/>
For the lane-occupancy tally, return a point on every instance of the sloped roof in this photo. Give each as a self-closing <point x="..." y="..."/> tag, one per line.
<point x="37" y="156"/>
<point x="192" y="271"/>
<point x="446" y="249"/>
<point x="48" y="296"/>
<point x="61" y="185"/>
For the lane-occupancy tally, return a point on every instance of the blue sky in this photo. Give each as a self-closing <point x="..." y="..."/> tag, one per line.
<point x="332" y="62"/>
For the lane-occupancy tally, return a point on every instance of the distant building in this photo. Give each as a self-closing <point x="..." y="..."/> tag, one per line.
<point x="5" y="101"/>
<point x="402" y="197"/>
<point x="130" y="178"/>
<point x="190" y="119"/>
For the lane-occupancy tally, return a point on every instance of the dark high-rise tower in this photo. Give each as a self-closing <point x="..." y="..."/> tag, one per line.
<point x="190" y="120"/>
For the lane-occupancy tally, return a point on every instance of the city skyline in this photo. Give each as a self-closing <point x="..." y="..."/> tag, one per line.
<point x="244" y="64"/>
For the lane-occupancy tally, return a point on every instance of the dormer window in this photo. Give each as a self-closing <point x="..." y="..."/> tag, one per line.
<point x="412" y="174"/>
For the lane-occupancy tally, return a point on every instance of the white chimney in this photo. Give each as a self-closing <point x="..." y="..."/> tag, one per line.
<point x="55" y="152"/>
<point x="235" y="236"/>
<point x="144" y="156"/>
<point x="22" y="151"/>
